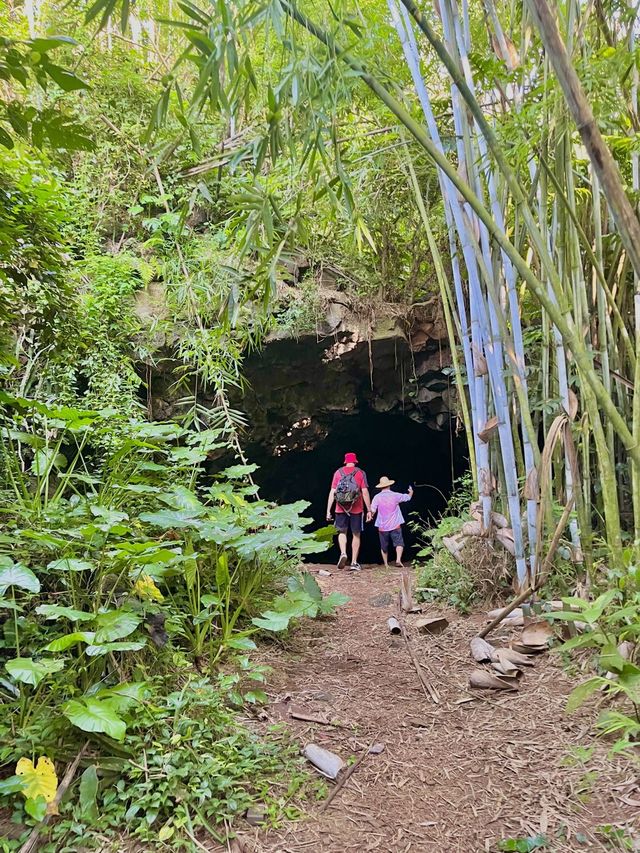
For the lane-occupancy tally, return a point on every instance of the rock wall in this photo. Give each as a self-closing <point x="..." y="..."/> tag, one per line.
<point x="391" y="359"/>
<point x="390" y="362"/>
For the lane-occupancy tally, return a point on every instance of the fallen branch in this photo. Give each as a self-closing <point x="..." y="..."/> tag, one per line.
<point x="406" y="593"/>
<point x="429" y="690"/>
<point x="308" y="718"/>
<point x="344" y="779"/>
<point x="507" y="610"/>
<point x="34" y="837"/>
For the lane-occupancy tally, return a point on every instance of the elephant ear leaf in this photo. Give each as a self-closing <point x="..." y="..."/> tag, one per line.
<point x="270" y="620"/>
<point x="39" y="780"/>
<point x="115" y="625"/>
<point x="15" y="574"/>
<point x="29" y="671"/>
<point x="56" y="611"/>
<point x="95" y="715"/>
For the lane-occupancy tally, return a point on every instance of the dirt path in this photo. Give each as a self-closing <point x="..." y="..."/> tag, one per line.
<point x="475" y="772"/>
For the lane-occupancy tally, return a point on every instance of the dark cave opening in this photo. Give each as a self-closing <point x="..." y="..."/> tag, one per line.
<point x="386" y="443"/>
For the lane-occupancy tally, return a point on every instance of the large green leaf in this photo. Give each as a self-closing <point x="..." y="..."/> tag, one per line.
<point x="98" y="651"/>
<point x="67" y="81"/>
<point x="169" y="518"/>
<point x="182" y="498"/>
<point x="592" y="613"/>
<point x="55" y="611"/>
<point x="237" y="472"/>
<point x="46" y="459"/>
<point x="42" y="45"/>
<point x="29" y="671"/>
<point x="270" y="620"/>
<point x="87" y="807"/>
<point x="629" y="681"/>
<point x="18" y="575"/>
<point x="309" y="585"/>
<point x="115" y="625"/>
<point x="95" y="715"/>
<point x="610" y="658"/>
<point x="124" y="696"/>
<point x="331" y="601"/>
<point x="109" y="517"/>
<point x="11" y="785"/>
<point x="71" y="564"/>
<point x="69" y="640"/>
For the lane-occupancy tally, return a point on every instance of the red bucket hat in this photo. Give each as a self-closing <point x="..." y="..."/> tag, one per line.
<point x="350" y="459"/>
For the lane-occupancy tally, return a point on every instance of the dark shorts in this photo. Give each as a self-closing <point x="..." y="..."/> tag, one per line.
<point x="349" y="521"/>
<point x="393" y="537"/>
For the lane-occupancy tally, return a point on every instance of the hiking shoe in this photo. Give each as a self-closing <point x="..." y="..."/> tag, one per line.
<point x="342" y="562"/>
<point x="355" y="567"/>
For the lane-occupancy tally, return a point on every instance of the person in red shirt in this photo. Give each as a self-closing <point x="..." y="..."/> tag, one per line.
<point x="350" y="492"/>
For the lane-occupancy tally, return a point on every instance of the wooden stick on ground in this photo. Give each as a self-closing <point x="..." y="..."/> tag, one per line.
<point x="507" y="610"/>
<point x="34" y="838"/>
<point x="345" y="777"/>
<point x="429" y="690"/>
<point x="406" y="593"/>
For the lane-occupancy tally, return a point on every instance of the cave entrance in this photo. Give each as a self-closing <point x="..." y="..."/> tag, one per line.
<point x="386" y="443"/>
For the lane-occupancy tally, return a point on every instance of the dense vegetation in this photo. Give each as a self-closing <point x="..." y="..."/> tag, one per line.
<point x="163" y="166"/>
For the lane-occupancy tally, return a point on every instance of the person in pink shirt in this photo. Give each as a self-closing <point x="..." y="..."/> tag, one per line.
<point x="389" y="519"/>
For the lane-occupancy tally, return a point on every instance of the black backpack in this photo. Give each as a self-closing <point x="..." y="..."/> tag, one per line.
<point x="348" y="491"/>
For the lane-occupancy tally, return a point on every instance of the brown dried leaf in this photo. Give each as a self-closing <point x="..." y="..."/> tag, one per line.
<point x="531" y="486"/>
<point x="528" y="650"/>
<point x="471" y="528"/>
<point x="572" y="411"/>
<point x="514" y="657"/>
<point x="431" y="624"/>
<point x="505" y="538"/>
<point x="515" y="613"/>
<point x="537" y="634"/>
<point x="481" y="679"/>
<point x="481" y="650"/>
<point x="488" y="429"/>
<point x="502" y="660"/>
<point x="480" y="367"/>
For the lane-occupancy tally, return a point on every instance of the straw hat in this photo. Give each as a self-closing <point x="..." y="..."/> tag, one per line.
<point x="384" y="482"/>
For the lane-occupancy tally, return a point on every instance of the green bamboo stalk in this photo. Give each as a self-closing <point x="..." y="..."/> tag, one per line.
<point x="599" y="154"/>
<point x="448" y="304"/>
<point x="560" y="316"/>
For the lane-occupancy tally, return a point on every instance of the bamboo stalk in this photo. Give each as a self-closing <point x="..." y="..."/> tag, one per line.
<point x="599" y="154"/>
<point x="561" y="317"/>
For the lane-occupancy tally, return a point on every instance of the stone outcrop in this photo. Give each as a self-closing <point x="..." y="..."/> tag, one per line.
<point x="388" y="359"/>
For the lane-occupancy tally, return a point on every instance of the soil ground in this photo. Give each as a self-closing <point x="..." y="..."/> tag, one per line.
<point x="462" y="774"/>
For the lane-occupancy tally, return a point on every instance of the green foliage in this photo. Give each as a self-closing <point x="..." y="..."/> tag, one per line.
<point x="33" y="291"/>
<point x="523" y="845"/>
<point x="24" y="63"/>
<point x="612" y="629"/>
<point x="187" y="765"/>
<point x="440" y="576"/>
<point x="117" y="548"/>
